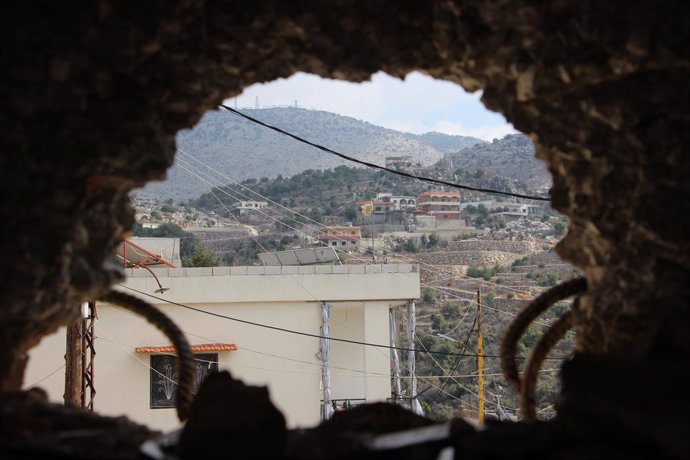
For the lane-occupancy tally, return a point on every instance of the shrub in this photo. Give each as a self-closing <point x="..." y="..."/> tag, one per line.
<point x="410" y="245"/>
<point x="438" y="323"/>
<point x="486" y="273"/>
<point x="450" y="309"/>
<point x="549" y="280"/>
<point x="428" y="295"/>
<point x="520" y="262"/>
<point x="427" y="340"/>
<point x="475" y="272"/>
<point x="202" y="257"/>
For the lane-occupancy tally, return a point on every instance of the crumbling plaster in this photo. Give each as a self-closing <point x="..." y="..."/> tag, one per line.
<point x="94" y="92"/>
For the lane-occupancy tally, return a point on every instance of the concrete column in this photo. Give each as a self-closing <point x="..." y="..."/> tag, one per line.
<point x="397" y="390"/>
<point x="411" y="358"/>
<point x="376" y="360"/>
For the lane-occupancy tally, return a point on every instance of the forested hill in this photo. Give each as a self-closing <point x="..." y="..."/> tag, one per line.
<point x="242" y="150"/>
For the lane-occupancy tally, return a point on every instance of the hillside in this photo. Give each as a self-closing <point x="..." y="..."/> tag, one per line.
<point x="506" y="160"/>
<point x="447" y="143"/>
<point x="245" y="150"/>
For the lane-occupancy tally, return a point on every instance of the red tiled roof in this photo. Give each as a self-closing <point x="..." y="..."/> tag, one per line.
<point x="202" y="347"/>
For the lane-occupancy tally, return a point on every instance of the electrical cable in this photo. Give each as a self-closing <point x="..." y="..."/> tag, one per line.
<point x="222" y="188"/>
<point x="379" y="167"/>
<point x="339" y="250"/>
<point x="45" y="378"/>
<point x="458" y="359"/>
<point x="305" y="334"/>
<point x="124" y="347"/>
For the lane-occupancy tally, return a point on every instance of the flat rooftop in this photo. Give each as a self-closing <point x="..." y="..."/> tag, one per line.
<point x="276" y="283"/>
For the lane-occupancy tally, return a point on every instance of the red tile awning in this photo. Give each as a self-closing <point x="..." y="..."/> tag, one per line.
<point x="196" y="348"/>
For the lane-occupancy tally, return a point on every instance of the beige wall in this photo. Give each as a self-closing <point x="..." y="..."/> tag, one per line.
<point x="287" y="297"/>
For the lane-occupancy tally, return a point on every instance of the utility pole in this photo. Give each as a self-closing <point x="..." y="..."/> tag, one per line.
<point x="88" y="350"/>
<point x="480" y="358"/>
<point x="73" y="362"/>
<point x="373" y="243"/>
<point x="79" y="359"/>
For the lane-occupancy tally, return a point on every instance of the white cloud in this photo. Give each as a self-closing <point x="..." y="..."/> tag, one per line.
<point x="488" y="133"/>
<point x="417" y="104"/>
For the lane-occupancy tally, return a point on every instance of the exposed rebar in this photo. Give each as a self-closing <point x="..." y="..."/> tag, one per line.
<point x="531" y="371"/>
<point x="520" y="324"/>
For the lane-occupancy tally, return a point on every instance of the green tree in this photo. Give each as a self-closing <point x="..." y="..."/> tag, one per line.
<point x="202" y="257"/>
<point x="521" y="261"/>
<point x="169" y="230"/>
<point x="428" y="295"/>
<point x="450" y="309"/>
<point x="411" y="245"/>
<point x="438" y="323"/>
<point x="549" y="280"/>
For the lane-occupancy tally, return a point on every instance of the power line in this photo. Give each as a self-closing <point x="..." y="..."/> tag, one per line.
<point x="223" y="190"/>
<point x="458" y="359"/>
<point x="45" y="378"/>
<point x="305" y="334"/>
<point x="299" y="231"/>
<point x="382" y="168"/>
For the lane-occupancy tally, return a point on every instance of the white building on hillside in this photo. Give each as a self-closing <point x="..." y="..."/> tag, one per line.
<point x="133" y="357"/>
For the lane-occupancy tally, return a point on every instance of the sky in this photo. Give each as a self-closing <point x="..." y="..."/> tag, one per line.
<point x="417" y="104"/>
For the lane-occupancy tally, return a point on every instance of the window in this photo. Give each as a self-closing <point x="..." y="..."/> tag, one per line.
<point x="343" y="243"/>
<point x="334" y="243"/>
<point x="164" y="377"/>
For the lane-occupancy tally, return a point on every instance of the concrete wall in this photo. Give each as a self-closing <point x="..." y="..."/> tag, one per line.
<point x="288" y="297"/>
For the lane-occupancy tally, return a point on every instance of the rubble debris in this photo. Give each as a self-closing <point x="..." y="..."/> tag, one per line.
<point x="230" y="419"/>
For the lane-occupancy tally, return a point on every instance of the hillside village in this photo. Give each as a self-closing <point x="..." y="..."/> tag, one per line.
<point x="500" y="247"/>
<point x="382" y="259"/>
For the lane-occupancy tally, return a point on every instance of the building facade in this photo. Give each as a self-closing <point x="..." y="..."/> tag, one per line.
<point x="134" y="367"/>
<point x="442" y="205"/>
<point x="243" y="207"/>
<point x="507" y="209"/>
<point x="404" y="161"/>
<point x="340" y="237"/>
